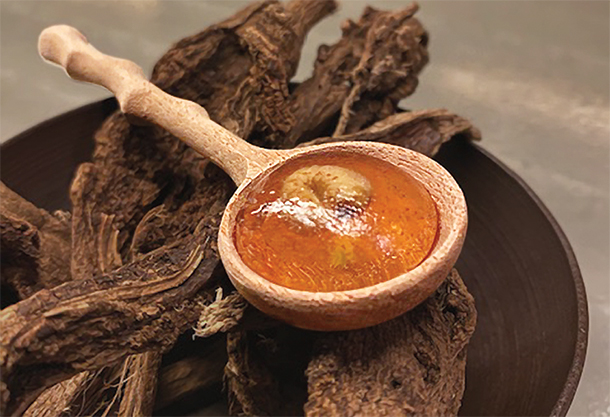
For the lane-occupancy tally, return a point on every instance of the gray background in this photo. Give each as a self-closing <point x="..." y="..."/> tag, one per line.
<point x="534" y="76"/>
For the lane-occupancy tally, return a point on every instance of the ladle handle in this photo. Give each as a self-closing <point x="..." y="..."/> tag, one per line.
<point x="67" y="47"/>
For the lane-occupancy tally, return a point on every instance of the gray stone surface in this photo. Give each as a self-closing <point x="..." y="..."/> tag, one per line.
<point x="534" y="76"/>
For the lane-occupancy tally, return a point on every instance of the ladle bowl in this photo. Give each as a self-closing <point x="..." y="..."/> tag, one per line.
<point x="248" y="165"/>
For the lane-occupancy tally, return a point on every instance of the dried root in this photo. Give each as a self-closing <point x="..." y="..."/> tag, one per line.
<point x="125" y="276"/>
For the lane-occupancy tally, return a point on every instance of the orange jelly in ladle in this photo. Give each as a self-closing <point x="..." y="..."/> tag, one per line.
<point x="338" y="222"/>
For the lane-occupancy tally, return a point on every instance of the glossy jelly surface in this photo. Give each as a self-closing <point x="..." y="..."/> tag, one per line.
<point x="304" y="243"/>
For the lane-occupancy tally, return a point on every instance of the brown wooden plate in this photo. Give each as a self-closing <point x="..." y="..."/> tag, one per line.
<point x="527" y="353"/>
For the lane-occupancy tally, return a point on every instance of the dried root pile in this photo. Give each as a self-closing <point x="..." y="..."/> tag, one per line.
<point x="107" y="291"/>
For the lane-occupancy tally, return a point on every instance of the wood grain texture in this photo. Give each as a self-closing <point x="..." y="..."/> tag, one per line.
<point x="63" y="331"/>
<point x="423" y="131"/>
<point x="35" y="245"/>
<point x="346" y="92"/>
<point x="410" y="366"/>
<point x="138" y="397"/>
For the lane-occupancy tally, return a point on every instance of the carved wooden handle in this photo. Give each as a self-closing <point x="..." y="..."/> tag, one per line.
<point x="67" y="47"/>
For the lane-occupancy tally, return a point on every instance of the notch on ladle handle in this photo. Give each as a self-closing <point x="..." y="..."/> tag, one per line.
<point x="188" y="121"/>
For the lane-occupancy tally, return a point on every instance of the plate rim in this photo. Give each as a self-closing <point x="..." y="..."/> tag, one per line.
<point x="561" y="407"/>
<point x="570" y="386"/>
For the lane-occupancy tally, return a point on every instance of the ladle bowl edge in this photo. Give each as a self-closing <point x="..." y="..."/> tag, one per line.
<point x="352" y="309"/>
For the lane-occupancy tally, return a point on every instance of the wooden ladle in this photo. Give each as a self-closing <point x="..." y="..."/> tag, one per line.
<point x="247" y="165"/>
